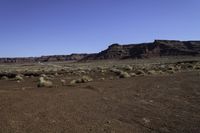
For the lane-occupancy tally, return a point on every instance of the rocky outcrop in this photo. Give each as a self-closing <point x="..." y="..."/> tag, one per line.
<point x="72" y="57"/>
<point x="52" y="58"/>
<point x="158" y="48"/>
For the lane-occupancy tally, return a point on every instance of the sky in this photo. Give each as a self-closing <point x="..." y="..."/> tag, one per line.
<point x="49" y="27"/>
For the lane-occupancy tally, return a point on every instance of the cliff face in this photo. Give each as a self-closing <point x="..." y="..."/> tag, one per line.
<point x="157" y="48"/>
<point x="72" y="57"/>
<point x="173" y="48"/>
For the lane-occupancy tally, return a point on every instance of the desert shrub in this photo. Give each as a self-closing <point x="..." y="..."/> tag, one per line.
<point x="152" y="72"/>
<point x="178" y="67"/>
<point x="50" y="77"/>
<point x="170" y="68"/>
<point x="196" y="67"/>
<point x="139" y="72"/>
<point x="86" y="79"/>
<point x="160" y="72"/>
<point x="44" y="83"/>
<point x="32" y="74"/>
<point x="102" y="72"/>
<point x="170" y="71"/>
<point x="63" y="81"/>
<point x="82" y="72"/>
<point x="124" y="75"/>
<point x="56" y="74"/>
<point x="189" y="66"/>
<point x="117" y="71"/>
<point x="102" y="79"/>
<point x="120" y="73"/>
<point x="83" y="79"/>
<point x="144" y="68"/>
<point x="19" y="77"/>
<point x="128" y="68"/>
<point x="73" y="82"/>
<point x="132" y="74"/>
<point x="162" y="67"/>
<point x="4" y="78"/>
<point x="186" y="66"/>
<point x="47" y="77"/>
<point x="100" y="68"/>
<point x="111" y="77"/>
<point x="43" y="75"/>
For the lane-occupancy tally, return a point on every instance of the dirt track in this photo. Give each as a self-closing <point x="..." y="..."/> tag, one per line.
<point x="156" y="103"/>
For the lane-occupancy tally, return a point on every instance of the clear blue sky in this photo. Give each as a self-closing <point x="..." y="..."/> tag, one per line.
<point x="47" y="27"/>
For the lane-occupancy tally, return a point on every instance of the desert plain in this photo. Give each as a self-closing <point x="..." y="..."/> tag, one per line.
<point x="160" y="95"/>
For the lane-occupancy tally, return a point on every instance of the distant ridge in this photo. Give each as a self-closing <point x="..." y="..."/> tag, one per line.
<point x="51" y="58"/>
<point x="158" y="48"/>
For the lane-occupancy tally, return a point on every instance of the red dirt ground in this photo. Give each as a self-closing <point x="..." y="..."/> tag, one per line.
<point x="146" y="104"/>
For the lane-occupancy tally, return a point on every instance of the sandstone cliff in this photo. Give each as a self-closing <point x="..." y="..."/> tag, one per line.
<point x="158" y="48"/>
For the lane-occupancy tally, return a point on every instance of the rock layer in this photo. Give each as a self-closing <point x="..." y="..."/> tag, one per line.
<point x="52" y="58"/>
<point x="158" y="48"/>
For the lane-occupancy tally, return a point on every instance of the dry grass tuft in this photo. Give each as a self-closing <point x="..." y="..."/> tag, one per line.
<point x="19" y="77"/>
<point x="63" y="82"/>
<point x="44" y="83"/>
<point x="83" y="79"/>
<point x="140" y="72"/>
<point x="4" y="78"/>
<point x="124" y="75"/>
<point x="152" y="72"/>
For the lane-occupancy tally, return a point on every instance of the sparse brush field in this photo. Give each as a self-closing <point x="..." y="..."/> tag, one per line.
<point x="132" y="96"/>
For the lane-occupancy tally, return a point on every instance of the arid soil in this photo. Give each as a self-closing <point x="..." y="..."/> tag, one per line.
<point x="167" y="102"/>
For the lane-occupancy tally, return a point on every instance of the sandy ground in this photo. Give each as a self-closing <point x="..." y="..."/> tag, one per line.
<point x="146" y="104"/>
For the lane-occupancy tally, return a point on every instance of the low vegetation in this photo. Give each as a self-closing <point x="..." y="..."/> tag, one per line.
<point x="44" y="83"/>
<point x="124" y="74"/>
<point x="19" y="77"/>
<point x="98" y="71"/>
<point x="83" y="79"/>
<point x="4" y="78"/>
<point x="63" y="82"/>
<point x="140" y="72"/>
